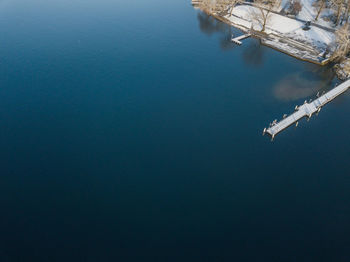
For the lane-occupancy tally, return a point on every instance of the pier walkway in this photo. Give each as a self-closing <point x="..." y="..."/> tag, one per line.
<point x="306" y="110"/>
<point x="238" y="39"/>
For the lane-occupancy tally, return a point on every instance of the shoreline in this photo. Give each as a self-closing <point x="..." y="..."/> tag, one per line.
<point x="293" y="48"/>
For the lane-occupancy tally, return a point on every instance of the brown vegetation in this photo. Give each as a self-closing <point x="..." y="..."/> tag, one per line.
<point x="342" y="43"/>
<point x="265" y="7"/>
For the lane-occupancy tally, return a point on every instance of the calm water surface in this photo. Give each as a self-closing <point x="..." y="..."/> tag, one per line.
<point x="131" y="131"/>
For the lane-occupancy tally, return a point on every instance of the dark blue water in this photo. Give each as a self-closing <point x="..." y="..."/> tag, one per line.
<point x="131" y="131"/>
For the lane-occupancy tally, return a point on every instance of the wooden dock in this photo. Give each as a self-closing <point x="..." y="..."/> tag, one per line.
<point x="306" y="110"/>
<point x="237" y="40"/>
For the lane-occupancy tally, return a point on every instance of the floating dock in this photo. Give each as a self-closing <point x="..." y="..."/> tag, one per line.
<point x="306" y="110"/>
<point x="238" y="39"/>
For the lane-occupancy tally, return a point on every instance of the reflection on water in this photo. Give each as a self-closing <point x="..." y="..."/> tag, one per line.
<point x="209" y="25"/>
<point x="253" y="54"/>
<point x="304" y="84"/>
<point x="295" y="86"/>
<point x="225" y="42"/>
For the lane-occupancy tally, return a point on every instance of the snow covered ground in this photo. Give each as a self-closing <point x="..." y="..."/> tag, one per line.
<point x="285" y="33"/>
<point x="309" y="13"/>
<point x="282" y="25"/>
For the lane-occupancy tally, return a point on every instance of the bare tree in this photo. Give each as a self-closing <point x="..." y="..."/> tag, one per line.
<point x="222" y="6"/>
<point x="342" y="43"/>
<point x="207" y="6"/>
<point x="212" y="6"/>
<point x="347" y="11"/>
<point x="219" y="6"/>
<point x="338" y="5"/>
<point x="262" y="14"/>
<point x="295" y="7"/>
<point x="346" y="67"/>
<point x="233" y="3"/>
<point x="320" y="4"/>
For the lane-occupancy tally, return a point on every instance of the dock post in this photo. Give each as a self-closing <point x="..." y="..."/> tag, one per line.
<point x="318" y="111"/>
<point x="272" y="137"/>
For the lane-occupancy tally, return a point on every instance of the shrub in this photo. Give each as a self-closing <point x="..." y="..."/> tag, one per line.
<point x="295" y="7"/>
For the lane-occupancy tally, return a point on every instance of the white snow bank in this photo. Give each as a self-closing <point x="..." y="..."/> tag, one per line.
<point x="281" y="25"/>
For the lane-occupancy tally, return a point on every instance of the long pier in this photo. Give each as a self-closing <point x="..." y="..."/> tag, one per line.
<point x="306" y="110"/>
